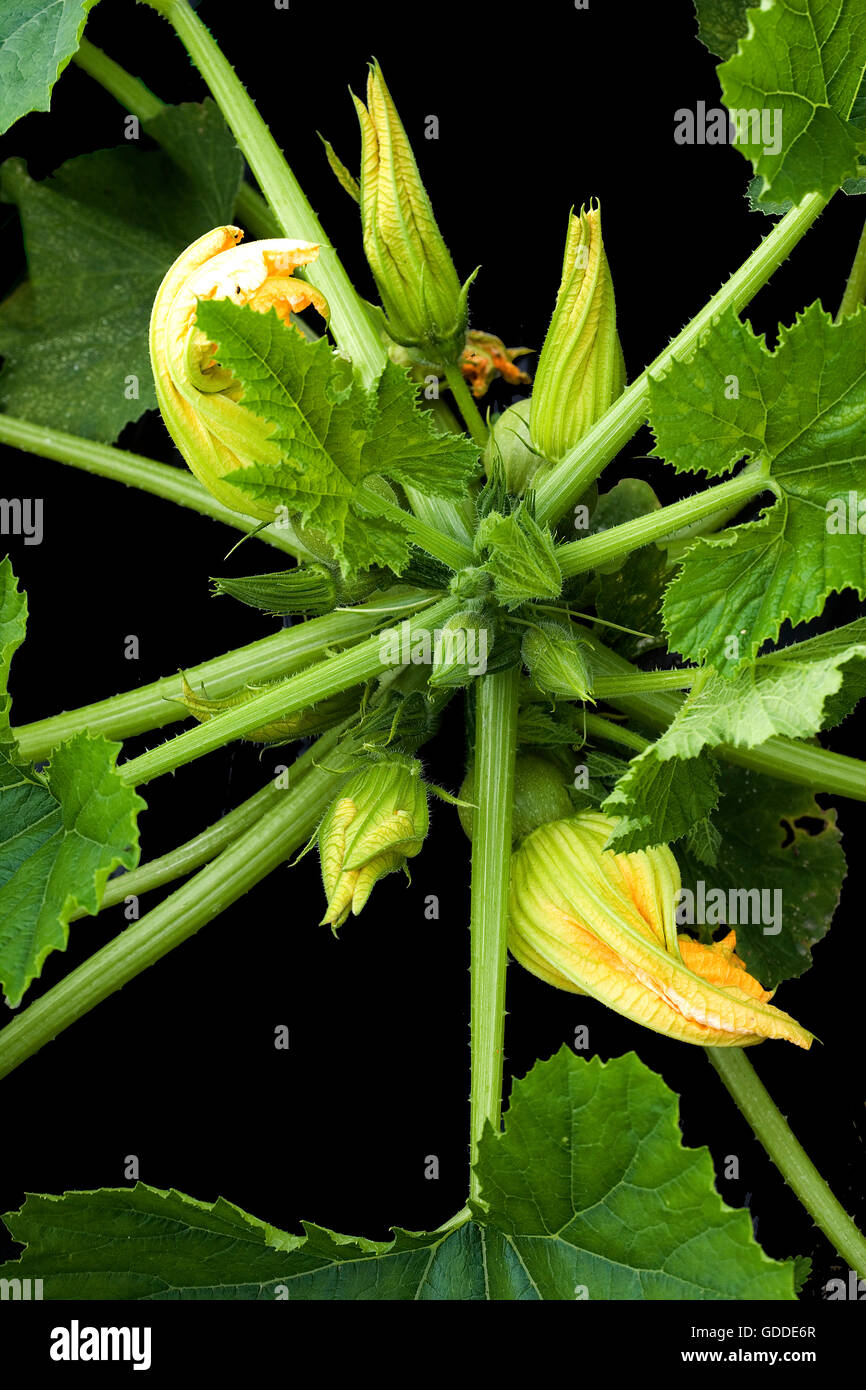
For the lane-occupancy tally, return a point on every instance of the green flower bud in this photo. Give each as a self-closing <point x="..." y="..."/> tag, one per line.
<point x="557" y="661"/>
<point x="540" y="795"/>
<point x="310" y="590"/>
<point x="424" y="304"/>
<point x="462" y="648"/>
<point x="581" y="370"/>
<point x="378" y="821"/>
<point x="510" y="446"/>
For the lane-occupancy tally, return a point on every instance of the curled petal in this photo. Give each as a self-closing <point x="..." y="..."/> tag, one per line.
<point x="199" y="400"/>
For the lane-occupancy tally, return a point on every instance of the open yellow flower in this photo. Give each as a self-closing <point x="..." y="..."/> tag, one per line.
<point x="199" y="400"/>
<point x="595" y="922"/>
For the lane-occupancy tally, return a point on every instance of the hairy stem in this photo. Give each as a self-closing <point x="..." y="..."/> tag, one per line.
<point x="252" y="856"/>
<point x="600" y="727"/>
<point x="151" y="706"/>
<point x="466" y="405"/>
<point x="495" y="749"/>
<point x="576" y="557"/>
<point x="441" y="545"/>
<point x="161" y="479"/>
<point x="207" y="845"/>
<point x="359" y="664"/>
<point x="561" y="486"/>
<point x="250" y="207"/>
<point x="855" y="289"/>
<point x="789" y="1156"/>
<point x="787" y="759"/>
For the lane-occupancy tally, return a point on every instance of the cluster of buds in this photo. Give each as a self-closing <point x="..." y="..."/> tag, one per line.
<point x="595" y="922"/>
<point x="198" y="399"/>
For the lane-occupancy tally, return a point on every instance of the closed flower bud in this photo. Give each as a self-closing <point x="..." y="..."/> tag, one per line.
<point x="462" y="648"/>
<point x="594" y="922"/>
<point x="302" y="724"/>
<point x="424" y="305"/>
<point x="310" y="590"/>
<point x="509" y="448"/>
<point x="581" y="370"/>
<point x="378" y="821"/>
<point x="556" y="661"/>
<point x="199" y="400"/>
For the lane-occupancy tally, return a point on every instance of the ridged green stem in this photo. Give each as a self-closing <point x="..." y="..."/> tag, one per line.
<point x="788" y="1154"/>
<point x="251" y="209"/>
<point x="495" y="748"/>
<point x="576" y="557"/>
<point x="151" y="706"/>
<point x="161" y="479"/>
<point x="359" y="664"/>
<point x="251" y="857"/>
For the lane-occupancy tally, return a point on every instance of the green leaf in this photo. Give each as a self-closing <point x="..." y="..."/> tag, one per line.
<point x="800" y="415"/>
<point x="522" y="557"/>
<point x="333" y="435"/>
<point x="721" y="24"/>
<point x="806" y="61"/>
<point x="13" y="629"/>
<point x="37" y="40"/>
<point x="670" y="787"/>
<point x="836" y="642"/>
<point x="61" y="835"/>
<point x="593" y="1190"/>
<point x="590" y="1193"/>
<point x="765" y="847"/>
<point x="100" y="235"/>
<point x="660" y="798"/>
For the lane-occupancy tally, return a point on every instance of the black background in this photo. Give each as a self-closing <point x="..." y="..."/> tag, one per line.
<point x="539" y="107"/>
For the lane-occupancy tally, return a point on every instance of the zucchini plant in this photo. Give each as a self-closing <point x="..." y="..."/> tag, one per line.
<point x="641" y="695"/>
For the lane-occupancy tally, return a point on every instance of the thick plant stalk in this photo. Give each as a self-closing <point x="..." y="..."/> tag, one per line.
<point x="789" y="1156"/>
<point x="152" y="706"/>
<point x="161" y="479"/>
<point x="495" y="747"/>
<point x="251" y="857"/>
<point x="561" y="486"/>
<point x="359" y="664"/>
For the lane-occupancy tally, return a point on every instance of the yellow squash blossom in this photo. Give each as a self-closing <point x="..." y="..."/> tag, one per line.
<point x="592" y="921"/>
<point x="199" y="400"/>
